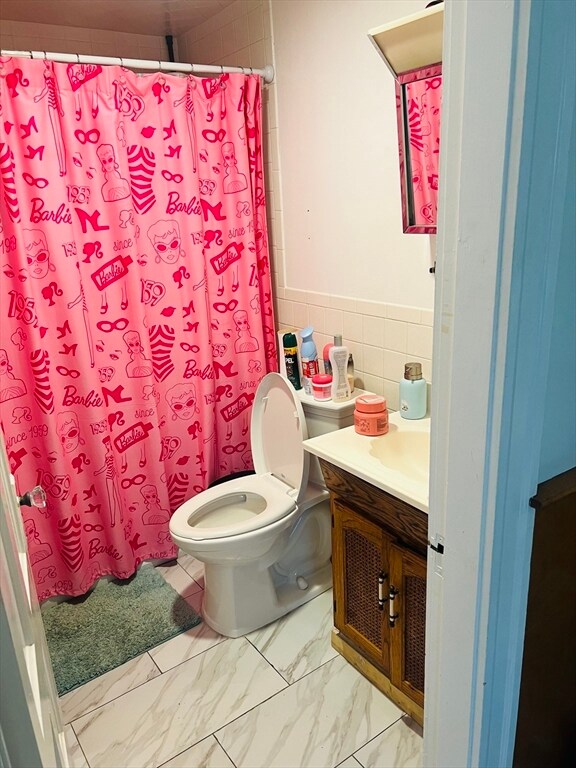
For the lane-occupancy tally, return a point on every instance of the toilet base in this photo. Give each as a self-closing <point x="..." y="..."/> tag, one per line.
<point x="240" y="599"/>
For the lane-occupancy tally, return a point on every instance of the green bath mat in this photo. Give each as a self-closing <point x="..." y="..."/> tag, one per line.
<point x="117" y="621"/>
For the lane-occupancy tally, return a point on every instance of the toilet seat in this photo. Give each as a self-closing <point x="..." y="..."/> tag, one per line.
<point x="277" y="429"/>
<point x="260" y="490"/>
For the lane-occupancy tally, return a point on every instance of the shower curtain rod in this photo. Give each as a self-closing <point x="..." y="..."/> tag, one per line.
<point x="267" y="72"/>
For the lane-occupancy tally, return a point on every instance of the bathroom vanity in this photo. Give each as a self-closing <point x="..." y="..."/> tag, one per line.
<point x="379" y="504"/>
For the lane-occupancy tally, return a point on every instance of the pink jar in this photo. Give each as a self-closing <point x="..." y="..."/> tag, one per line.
<point x="321" y="386"/>
<point x="370" y="415"/>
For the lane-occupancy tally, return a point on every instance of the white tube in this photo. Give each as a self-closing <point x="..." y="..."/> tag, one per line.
<point x="267" y="73"/>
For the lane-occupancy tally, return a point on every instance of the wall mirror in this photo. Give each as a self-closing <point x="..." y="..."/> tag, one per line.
<point x="418" y="99"/>
<point x="411" y="48"/>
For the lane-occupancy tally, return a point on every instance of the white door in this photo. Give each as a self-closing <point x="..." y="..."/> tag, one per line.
<point x="31" y="732"/>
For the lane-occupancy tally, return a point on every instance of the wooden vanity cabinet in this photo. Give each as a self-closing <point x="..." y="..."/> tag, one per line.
<point x="379" y="546"/>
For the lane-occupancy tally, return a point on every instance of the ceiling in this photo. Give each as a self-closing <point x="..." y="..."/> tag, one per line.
<point x="142" y="17"/>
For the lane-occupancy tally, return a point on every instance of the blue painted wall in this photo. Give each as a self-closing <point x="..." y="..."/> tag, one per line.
<point x="538" y="427"/>
<point x="558" y="449"/>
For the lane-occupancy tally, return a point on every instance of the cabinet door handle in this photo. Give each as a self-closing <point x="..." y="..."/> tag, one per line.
<point x="381" y="599"/>
<point x="392" y="616"/>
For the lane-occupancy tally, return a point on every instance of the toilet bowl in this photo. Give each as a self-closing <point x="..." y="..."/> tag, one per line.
<point x="265" y="539"/>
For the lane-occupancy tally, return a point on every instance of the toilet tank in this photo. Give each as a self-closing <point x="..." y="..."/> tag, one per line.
<point x="324" y="416"/>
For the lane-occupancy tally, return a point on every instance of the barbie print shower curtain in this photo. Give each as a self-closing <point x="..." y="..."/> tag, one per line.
<point x="136" y="316"/>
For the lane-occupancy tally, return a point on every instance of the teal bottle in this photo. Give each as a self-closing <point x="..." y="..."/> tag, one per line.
<point x="413" y="392"/>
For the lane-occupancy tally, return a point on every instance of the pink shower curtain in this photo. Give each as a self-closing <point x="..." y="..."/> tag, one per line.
<point x="136" y="313"/>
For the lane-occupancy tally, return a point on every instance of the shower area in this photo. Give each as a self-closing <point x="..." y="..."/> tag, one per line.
<point x="136" y="282"/>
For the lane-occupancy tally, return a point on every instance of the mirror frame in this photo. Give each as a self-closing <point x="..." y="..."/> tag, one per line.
<point x="406" y="183"/>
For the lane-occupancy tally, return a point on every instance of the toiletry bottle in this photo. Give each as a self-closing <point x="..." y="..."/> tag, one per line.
<point x="322" y="387"/>
<point x="290" y="347"/>
<point x="413" y="392"/>
<point x="310" y="366"/>
<point x="326" y="359"/>
<point x="350" y="372"/>
<point x="339" y="361"/>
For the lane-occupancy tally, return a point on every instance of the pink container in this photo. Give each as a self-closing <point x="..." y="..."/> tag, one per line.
<point x="371" y="415"/>
<point x="321" y="386"/>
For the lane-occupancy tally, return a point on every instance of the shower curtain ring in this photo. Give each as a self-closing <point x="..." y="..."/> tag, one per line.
<point x="78" y="58"/>
<point x="221" y="69"/>
<point x="44" y="52"/>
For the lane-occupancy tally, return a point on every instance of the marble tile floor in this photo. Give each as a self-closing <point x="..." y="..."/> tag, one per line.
<point x="280" y="696"/>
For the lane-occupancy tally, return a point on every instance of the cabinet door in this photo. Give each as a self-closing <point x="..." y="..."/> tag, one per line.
<point x="360" y="567"/>
<point x="407" y="619"/>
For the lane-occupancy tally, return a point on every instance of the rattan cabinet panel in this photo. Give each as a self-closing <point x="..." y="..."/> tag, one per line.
<point x="408" y="633"/>
<point x="360" y="554"/>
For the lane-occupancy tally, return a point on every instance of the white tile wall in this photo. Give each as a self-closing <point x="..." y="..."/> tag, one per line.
<point x="27" y="36"/>
<point x="380" y="346"/>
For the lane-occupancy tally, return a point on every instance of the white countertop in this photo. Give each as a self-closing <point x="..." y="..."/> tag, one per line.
<point x="397" y="462"/>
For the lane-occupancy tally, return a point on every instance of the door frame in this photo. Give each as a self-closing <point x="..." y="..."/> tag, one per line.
<point x="508" y="112"/>
<point x="31" y="731"/>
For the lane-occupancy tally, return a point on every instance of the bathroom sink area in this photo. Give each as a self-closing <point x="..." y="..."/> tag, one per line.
<point x="397" y="462"/>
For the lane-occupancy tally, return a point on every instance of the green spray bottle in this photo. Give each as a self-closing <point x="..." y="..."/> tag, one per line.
<point x="290" y="346"/>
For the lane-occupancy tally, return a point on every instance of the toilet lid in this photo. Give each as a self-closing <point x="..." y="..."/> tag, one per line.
<point x="277" y="429"/>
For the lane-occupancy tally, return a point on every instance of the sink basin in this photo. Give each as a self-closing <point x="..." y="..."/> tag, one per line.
<point x="397" y="462"/>
<point x="403" y="451"/>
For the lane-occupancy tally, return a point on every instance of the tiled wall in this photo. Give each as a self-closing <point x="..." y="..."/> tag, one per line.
<point x="380" y="337"/>
<point x="238" y="36"/>
<point x="27" y="36"/>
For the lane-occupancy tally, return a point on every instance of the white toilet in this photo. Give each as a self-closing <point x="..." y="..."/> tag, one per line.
<point x="265" y="539"/>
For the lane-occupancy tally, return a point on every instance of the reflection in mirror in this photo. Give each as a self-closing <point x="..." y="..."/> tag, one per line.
<point x="418" y="98"/>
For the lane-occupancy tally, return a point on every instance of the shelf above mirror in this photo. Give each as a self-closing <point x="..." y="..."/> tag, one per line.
<point x="412" y="42"/>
